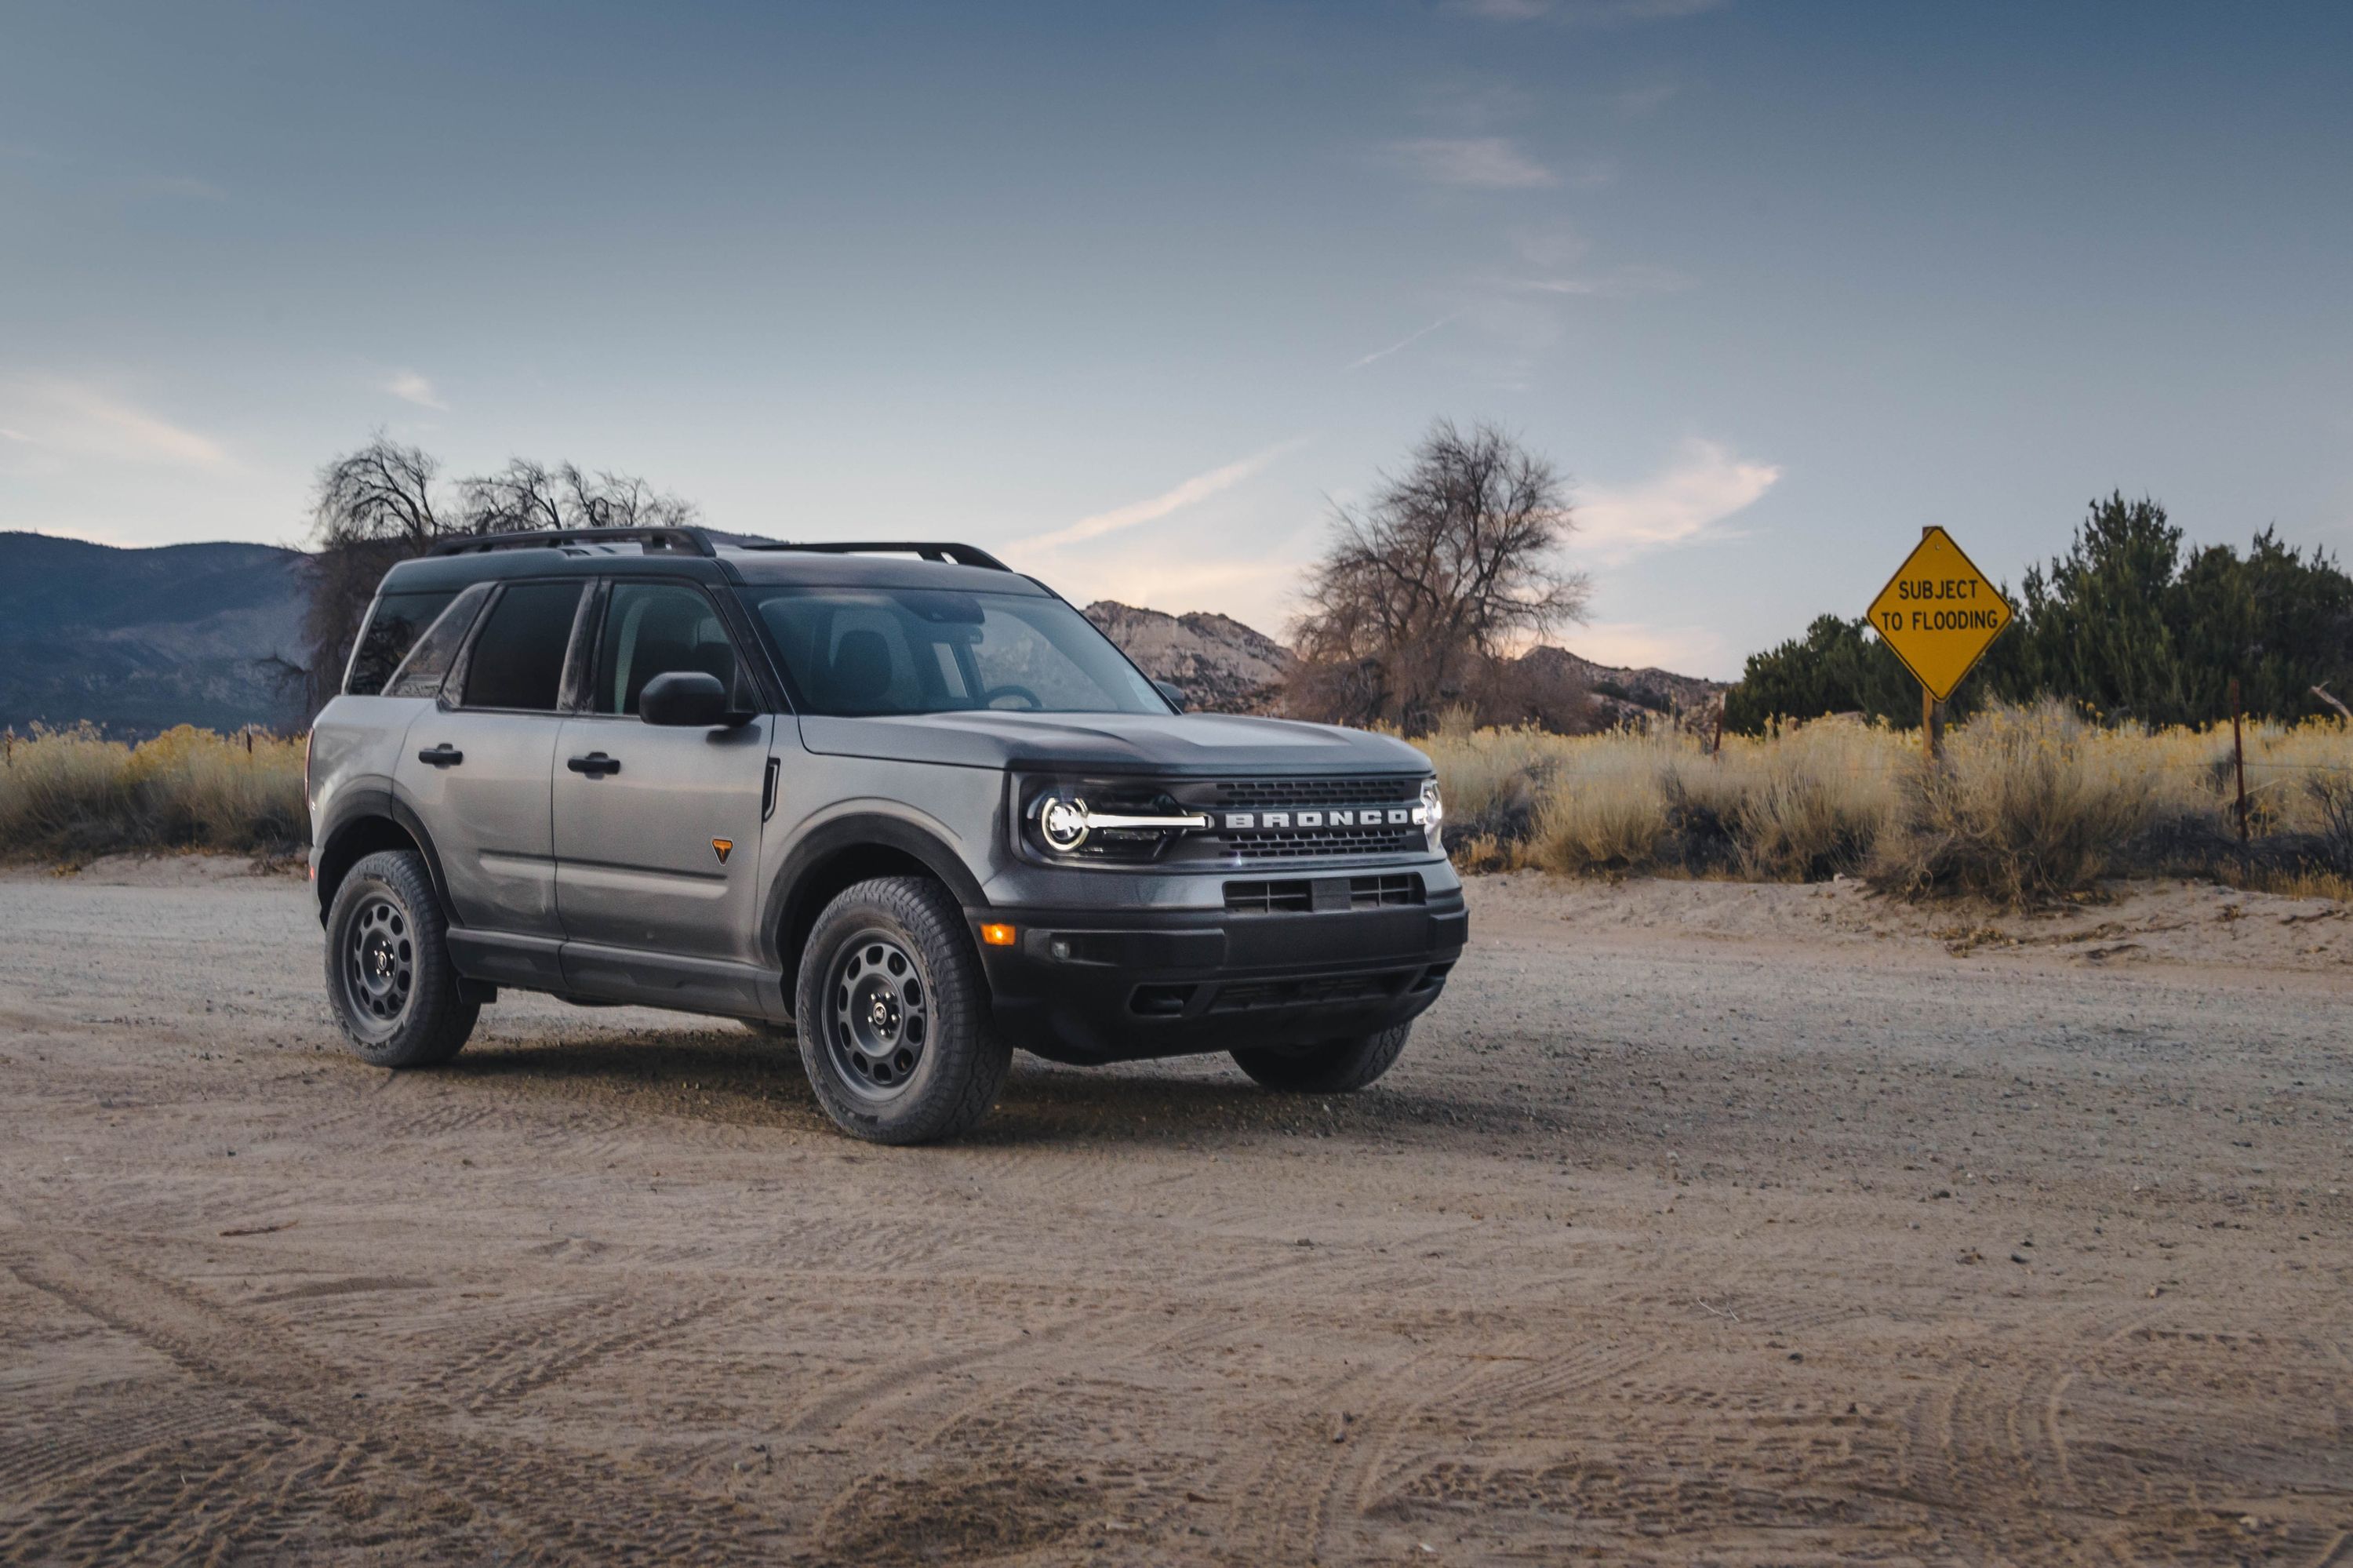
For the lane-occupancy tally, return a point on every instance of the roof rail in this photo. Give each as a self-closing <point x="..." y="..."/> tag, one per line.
<point x="957" y="555"/>
<point x="670" y="538"/>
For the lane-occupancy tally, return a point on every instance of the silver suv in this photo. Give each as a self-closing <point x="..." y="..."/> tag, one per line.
<point x="895" y="794"/>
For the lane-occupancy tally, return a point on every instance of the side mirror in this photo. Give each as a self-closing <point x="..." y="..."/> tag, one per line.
<point x="1173" y="691"/>
<point x="686" y="699"/>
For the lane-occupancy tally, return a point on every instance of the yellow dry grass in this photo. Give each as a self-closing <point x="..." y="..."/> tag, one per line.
<point x="2027" y="803"/>
<point x="71" y="794"/>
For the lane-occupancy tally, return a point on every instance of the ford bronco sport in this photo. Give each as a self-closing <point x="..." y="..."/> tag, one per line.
<point x="895" y="797"/>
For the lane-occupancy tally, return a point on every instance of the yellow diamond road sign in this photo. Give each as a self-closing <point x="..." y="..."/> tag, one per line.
<point x="1940" y="613"/>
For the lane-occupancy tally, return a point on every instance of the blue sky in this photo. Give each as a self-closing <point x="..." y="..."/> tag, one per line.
<point x="1132" y="292"/>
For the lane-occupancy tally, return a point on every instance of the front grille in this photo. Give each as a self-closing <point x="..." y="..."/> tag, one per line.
<point x="1270" y="898"/>
<point x="1369" y="798"/>
<point x="1245" y="794"/>
<point x="1329" y="895"/>
<point x="1383" y="892"/>
<point x="1301" y="843"/>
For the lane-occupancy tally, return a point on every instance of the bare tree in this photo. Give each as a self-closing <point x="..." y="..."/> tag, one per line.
<point x="1428" y="590"/>
<point x="525" y="496"/>
<point x="384" y="503"/>
<point x="373" y="507"/>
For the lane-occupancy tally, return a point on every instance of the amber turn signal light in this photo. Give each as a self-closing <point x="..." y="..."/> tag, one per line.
<point x="996" y="935"/>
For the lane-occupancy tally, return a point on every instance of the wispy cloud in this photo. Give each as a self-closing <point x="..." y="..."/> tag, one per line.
<point x="411" y="387"/>
<point x="1482" y="162"/>
<point x="187" y="186"/>
<point x="1584" y="13"/>
<point x="1645" y="98"/>
<point x="1200" y="487"/>
<point x="1617" y="283"/>
<point x="1705" y="484"/>
<point x="70" y="417"/>
<point x="1406" y="342"/>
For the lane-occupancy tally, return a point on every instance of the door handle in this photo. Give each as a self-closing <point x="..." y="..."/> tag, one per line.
<point x="443" y="756"/>
<point x="596" y="765"/>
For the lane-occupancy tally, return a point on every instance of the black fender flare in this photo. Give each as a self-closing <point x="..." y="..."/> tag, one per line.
<point x="786" y="908"/>
<point x="378" y="799"/>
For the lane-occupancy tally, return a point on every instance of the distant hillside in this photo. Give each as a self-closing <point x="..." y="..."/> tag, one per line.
<point x="1220" y="665"/>
<point x="138" y="640"/>
<point x="1223" y="666"/>
<point x="1621" y="694"/>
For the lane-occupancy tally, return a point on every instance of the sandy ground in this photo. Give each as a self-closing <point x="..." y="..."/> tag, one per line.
<point x="1701" y="1223"/>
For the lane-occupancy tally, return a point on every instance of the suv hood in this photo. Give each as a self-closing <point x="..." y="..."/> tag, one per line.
<point x="1200" y="743"/>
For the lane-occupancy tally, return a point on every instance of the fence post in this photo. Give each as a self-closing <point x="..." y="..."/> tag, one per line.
<point x="2239" y="757"/>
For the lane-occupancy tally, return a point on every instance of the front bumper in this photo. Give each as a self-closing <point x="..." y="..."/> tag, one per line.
<point x="1091" y="985"/>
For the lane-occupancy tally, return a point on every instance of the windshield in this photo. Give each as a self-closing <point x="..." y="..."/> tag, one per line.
<point x="866" y="652"/>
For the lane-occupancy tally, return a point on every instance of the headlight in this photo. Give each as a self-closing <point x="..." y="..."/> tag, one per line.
<point x="1433" y="812"/>
<point x="1123" y="822"/>
<point x="1063" y="822"/>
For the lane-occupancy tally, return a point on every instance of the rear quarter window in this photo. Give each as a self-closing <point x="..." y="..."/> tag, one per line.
<point x="427" y="664"/>
<point x="394" y="623"/>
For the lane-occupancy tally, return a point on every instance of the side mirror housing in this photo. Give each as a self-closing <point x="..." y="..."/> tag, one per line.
<point x="687" y="699"/>
<point x="1173" y="691"/>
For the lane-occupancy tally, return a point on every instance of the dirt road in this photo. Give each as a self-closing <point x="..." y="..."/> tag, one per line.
<point x="1700" y="1222"/>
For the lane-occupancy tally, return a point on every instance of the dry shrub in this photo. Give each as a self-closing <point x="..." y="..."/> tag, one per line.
<point x="71" y="794"/>
<point x="2029" y="803"/>
<point x="1610" y="810"/>
<point x="1815" y="801"/>
<point x="2026" y="805"/>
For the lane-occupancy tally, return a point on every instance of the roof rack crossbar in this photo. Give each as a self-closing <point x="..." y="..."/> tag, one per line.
<point x="929" y="550"/>
<point x="674" y="538"/>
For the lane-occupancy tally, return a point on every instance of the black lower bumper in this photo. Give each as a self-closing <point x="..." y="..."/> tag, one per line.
<point x="1091" y="986"/>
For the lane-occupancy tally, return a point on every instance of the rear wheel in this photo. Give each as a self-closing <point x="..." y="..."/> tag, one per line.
<point x="893" y="1010"/>
<point x="1331" y="1068"/>
<point x="389" y="978"/>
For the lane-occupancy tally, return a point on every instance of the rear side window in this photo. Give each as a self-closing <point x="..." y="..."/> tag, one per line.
<point x="427" y="664"/>
<point x="518" y="660"/>
<point x="394" y="626"/>
<point x="656" y="629"/>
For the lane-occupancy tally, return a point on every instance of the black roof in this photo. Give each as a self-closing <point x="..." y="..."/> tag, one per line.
<point x="707" y="557"/>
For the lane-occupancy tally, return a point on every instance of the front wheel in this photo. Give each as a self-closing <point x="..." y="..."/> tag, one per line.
<point x="893" y="1014"/>
<point x="389" y="978"/>
<point x="1331" y="1068"/>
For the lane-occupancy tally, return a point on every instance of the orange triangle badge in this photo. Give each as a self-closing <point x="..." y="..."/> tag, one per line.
<point x="720" y="847"/>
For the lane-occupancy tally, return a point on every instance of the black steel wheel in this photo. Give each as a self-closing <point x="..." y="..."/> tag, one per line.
<point x="380" y="959"/>
<point x="389" y="978"/>
<point x="1328" y="1067"/>
<point x="893" y="1010"/>
<point x="882" y="1016"/>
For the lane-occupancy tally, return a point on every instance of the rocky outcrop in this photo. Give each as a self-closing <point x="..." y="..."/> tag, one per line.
<point x="1621" y="695"/>
<point x="1220" y="665"/>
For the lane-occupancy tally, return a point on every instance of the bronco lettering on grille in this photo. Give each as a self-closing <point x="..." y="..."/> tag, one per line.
<point x="1331" y="817"/>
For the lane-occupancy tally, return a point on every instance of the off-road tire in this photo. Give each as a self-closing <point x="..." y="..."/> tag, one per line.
<point x="1333" y="1067"/>
<point x="898" y="946"/>
<point x="385" y="919"/>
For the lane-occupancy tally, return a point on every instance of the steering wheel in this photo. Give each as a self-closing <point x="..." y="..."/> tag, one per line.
<point x="988" y="698"/>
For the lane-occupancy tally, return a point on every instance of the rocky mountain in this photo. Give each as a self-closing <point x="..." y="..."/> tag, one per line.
<point x="1223" y="666"/>
<point x="138" y="640"/>
<point x="1220" y="665"/>
<point x="1620" y="694"/>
